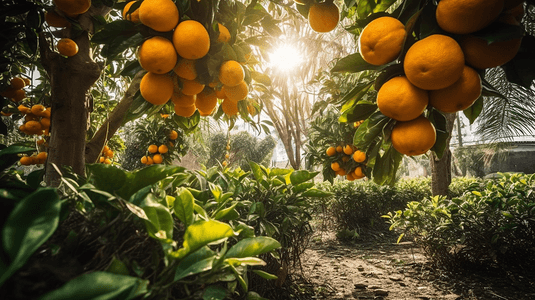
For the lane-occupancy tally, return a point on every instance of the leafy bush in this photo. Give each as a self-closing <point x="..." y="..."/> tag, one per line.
<point x="462" y="185"/>
<point x="359" y="205"/>
<point x="491" y="229"/>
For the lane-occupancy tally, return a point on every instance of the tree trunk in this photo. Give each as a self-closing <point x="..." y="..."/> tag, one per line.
<point x="441" y="168"/>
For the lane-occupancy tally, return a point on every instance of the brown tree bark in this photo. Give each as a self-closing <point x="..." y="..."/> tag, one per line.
<point x="113" y="122"/>
<point x="441" y="168"/>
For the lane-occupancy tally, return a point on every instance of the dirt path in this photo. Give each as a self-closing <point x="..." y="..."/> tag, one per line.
<point x="378" y="271"/>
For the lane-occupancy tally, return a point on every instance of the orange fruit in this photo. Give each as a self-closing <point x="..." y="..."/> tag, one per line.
<point x="466" y="16"/>
<point x="144" y="160"/>
<point x="17" y="83"/>
<point x="191" y="39"/>
<point x="339" y="149"/>
<point x="38" y="109"/>
<point x="335" y="166"/>
<point x="400" y="100"/>
<point x="23" y="109"/>
<point x="434" y="62"/>
<point x="46" y="113"/>
<point x="230" y="108"/>
<point x="40" y="142"/>
<point x="341" y="172"/>
<point x="481" y="55"/>
<point x="156" y="88"/>
<point x="45" y="123"/>
<point x="185" y="68"/>
<point x="458" y="96"/>
<point x="173" y="135"/>
<point x="102" y="159"/>
<point x="381" y="40"/>
<point x="9" y="92"/>
<point x="31" y="117"/>
<point x="220" y="94"/>
<point x="33" y="127"/>
<point x="191" y="87"/>
<point x="163" y="149"/>
<point x="107" y="161"/>
<point x="413" y="137"/>
<point x="224" y="163"/>
<point x="206" y="101"/>
<point x="160" y="15"/>
<point x="27" y="81"/>
<point x="55" y="20"/>
<point x="153" y="148"/>
<point x="349" y="176"/>
<point x="41" y="157"/>
<point x="73" y="7"/>
<point x="19" y="95"/>
<point x="133" y="16"/>
<point x="510" y="4"/>
<point x="236" y="93"/>
<point x="180" y="99"/>
<point x="149" y="161"/>
<point x="331" y="151"/>
<point x="348" y="149"/>
<point x="105" y="148"/>
<point x="358" y="173"/>
<point x="67" y="47"/>
<point x="157" y="159"/>
<point x="157" y="55"/>
<point x="185" y="111"/>
<point x="346" y="158"/>
<point x="231" y="73"/>
<point x="359" y="156"/>
<point x="109" y="153"/>
<point x="224" y="34"/>
<point x="26" y="161"/>
<point x="324" y="16"/>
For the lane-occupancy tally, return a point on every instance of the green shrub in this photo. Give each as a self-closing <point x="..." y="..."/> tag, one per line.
<point x="492" y="229"/>
<point x="461" y="185"/>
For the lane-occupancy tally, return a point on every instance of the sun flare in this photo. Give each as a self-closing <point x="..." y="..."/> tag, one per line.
<point x="285" y="58"/>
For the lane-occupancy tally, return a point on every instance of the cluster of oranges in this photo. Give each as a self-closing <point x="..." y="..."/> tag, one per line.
<point x="227" y="155"/>
<point x="439" y="71"/>
<point x="36" y="119"/>
<point x="322" y="16"/>
<point x="106" y="155"/>
<point x="57" y="17"/>
<point x="347" y="161"/>
<point x="156" y="152"/>
<point x="34" y="159"/>
<point x="171" y="62"/>
<point x="15" y="91"/>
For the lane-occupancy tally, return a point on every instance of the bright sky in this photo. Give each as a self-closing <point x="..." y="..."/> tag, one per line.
<point x="285" y="58"/>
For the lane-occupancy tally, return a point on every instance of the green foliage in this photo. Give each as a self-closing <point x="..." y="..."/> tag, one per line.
<point x="490" y="228"/>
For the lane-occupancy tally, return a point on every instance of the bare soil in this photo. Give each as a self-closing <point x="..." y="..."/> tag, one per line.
<point x="384" y="269"/>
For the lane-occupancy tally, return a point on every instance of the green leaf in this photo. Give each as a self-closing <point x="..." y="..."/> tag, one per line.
<point x="106" y="177"/>
<point x="228" y="213"/>
<point x="369" y="130"/>
<point x="214" y="292"/>
<point x="386" y="165"/>
<point x="145" y="177"/>
<point x="521" y="69"/>
<point x="202" y="233"/>
<point x="365" y="7"/>
<point x="120" y="44"/>
<point x="257" y="171"/>
<point x="300" y="176"/>
<point x="265" y="275"/>
<point x="474" y="110"/>
<point x="101" y="286"/>
<point x="252" y="247"/>
<point x="354" y="63"/>
<point x="28" y="226"/>
<point x="361" y="111"/>
<point x="249" y="261"/>
<point x="9" y="155"/>
<point x="117" y="267"/>
<point x="196" y="268"/>
<point x="317" y="193"/>
<point x="160" y="223"/>
<point x="184" y="206"/>
<point x="187" y="267"/>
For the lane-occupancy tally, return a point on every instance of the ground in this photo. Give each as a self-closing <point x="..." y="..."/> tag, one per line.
<point x="384" y="269"/>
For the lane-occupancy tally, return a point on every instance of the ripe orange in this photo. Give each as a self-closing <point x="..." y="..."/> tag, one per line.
<point x="109" y="153"/>
<point x="481" y="55"/>
<point x="458" y="96"/>
<point x="73" y="7"/>
<point x="331" y="151"/>
<point x="413" y="137"/>
<point x="17" y="83"/>
<point x="153" y="148"/>
<point x="191" y="87"/>
<point x="191" y="39"/>
<point x="206" y="101"/>
<point x="144" y="160"/>
<point x="67" y="47"/>
<point x="180" y="99"/>
<point x="173" y="135"/>
<point x="224" y="163"/>
<point x="55" y="20"/>
<point x="224" y="34"/>
<point x="31" y="117"/>
<point x="231" y="73"/>
<point x="236" y="93"/>
<point x="155" y="88"/>
<point x="230" y="108"/>
<point x="149" y="161"/>
<point x="33" y="127"/>
<point x="381" y="40"/>
<point x="434" y="62"/>
<point x="163" y="149"/>
<point x="19" y="95"/>
<point x="26" y="161"/>
<point x="349" y="176"/>
<point x="185" y="111"/>
<point x="27" y="81"/>
<point x="102" y="159"/>
<point x="157" y="159"/>
<point x="41" y="157"/>
<point x="107" y="161"/>
<point x="160" y="15"/>
<point x="38" y="109"/>
<point x="341" y="172"/>
<point x="358" y="173"/>
<point x="335" y="166"/>
<point x="220" y="94"/>
<point x="45" y="123"/>
<point x="157" y="55"/>
<point x="133" y="16"/>
<point x="348" y="149"/>
<point x="466" y="16"/>
<point x="359" y="156"/>
<point x="185" y="68"/>
<point x="324" y="16"/>
<point x="400" y="100"/>
<point x="46" y="113"/>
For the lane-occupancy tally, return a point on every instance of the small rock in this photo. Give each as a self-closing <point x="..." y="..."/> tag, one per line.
<point x="374" y="287"/>
<point x="401" y="283"/>
<point x="380" y="292"/>
<point x="395" y="278"/>
<point x="424" y="297"/>
<point x="360" y="286"/>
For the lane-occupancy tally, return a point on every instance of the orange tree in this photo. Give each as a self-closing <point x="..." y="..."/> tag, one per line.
<point x="426" y="71"/>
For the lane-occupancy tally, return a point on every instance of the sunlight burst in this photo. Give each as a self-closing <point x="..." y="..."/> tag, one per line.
<point x="285" y="58"/>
